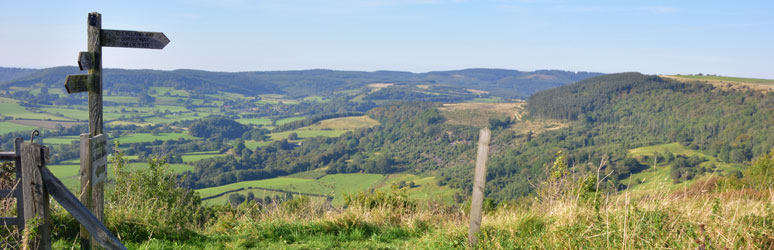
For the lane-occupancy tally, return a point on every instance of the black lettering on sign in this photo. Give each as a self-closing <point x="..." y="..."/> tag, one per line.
<point x="134" y="39"/>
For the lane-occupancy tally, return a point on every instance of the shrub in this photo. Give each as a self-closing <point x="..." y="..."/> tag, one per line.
<point x="151" y="202"/>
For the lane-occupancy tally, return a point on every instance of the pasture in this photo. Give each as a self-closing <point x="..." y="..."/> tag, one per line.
<point x="254" y="121"/>
<point x="658" y="176"/>
<point x="336" y="185"/>
<point x="195" y="156"/>
<point x="425" y="189"/>
<point x="8" y="127"/>
<point x="147" y="137"/>
<point x="307" y="134"/>
<point x="46" y="124"/>
<point x="289" y="119"/>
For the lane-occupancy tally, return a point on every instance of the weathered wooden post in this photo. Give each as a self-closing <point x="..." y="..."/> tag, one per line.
<point x="93" y="170"/>
<point x="479" y="179"/>
<point x="36" y="204"/>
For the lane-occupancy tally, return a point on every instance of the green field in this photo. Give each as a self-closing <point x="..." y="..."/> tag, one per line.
<point x="426" y="188"/>
<point x="61" y="139"/>
<point x="315" y="98"/>
<point x="8" y="127"/>
<point x="254" y="144"/>
<point x="121" y="99"/>
<point x="161" y="91"/>
<point x="195" y="156"/>
<point x="75" y="114"/>
<point x="259" y="193"/>
<point x="490" y="99"/>
<point x="336" y="185"/>
<point x="729" y="79"/>
<point x="147" y="137"/>
<point x="289" y="119"/>
<point x="658" y="177"/>
<point x="274" y="183"/>
<point x="307" y="134"/>
<point x="254" y="121"/>
<point x="10" y="108"/>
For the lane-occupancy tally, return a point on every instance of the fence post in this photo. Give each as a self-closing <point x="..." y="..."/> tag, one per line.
<point x="479" y="179"/>
<point x="19" y="193"/>
<point x="36" y="201"/>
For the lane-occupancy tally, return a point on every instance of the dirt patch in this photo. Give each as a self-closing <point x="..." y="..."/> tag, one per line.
<point x="46" y="124"/>
<point x="423" y="86"/>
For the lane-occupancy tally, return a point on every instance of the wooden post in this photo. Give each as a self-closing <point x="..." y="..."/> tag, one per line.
<point x="93" y="174"/>
<point x="36" y="206"/>
<point x="91" y="194"/>
<point x="19" y="192"/>
<point x="95" y="96"/>
<point x="93" y="158"/>
<point x="479" y="179"/>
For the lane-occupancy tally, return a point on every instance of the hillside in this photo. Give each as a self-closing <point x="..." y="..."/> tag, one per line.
<point x="727" y="82"/>
<point x="495" y="82"/>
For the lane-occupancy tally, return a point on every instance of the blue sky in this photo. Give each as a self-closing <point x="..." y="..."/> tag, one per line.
<point x="658" y="37"/>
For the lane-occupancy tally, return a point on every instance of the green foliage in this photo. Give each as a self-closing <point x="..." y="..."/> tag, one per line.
<point x="395" y="200"/>
<point x="217" y="127"/>
<point x="151" y="202"/>
<point x="761" y="173"/>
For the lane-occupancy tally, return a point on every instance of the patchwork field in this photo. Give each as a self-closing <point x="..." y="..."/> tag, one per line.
<point x="147" y="137"/>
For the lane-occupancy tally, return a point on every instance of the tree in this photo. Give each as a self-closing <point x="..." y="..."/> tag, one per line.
<point x="217" y="127"/>
<point x="293" y="136"/>
<point x="235" y="199"/>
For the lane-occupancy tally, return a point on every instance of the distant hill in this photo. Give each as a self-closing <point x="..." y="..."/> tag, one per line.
<point x="7" y="74"/>
<point x="492" y="82"/>
<point x="614" y="114"/>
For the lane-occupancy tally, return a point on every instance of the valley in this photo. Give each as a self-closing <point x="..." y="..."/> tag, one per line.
<point x="394" y="144"/>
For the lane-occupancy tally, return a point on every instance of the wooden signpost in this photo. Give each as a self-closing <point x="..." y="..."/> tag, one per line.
<point x="93" y="171"/>
<point x="479" y="179"/>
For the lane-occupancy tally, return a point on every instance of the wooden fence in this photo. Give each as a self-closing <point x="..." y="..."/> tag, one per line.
<point x="34" y="186"/>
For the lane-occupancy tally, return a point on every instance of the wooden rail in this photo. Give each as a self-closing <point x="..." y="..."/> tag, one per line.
<point x="38" y="185"/>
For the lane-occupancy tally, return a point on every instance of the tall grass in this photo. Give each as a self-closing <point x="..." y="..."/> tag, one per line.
<point x="567" y="211"/>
